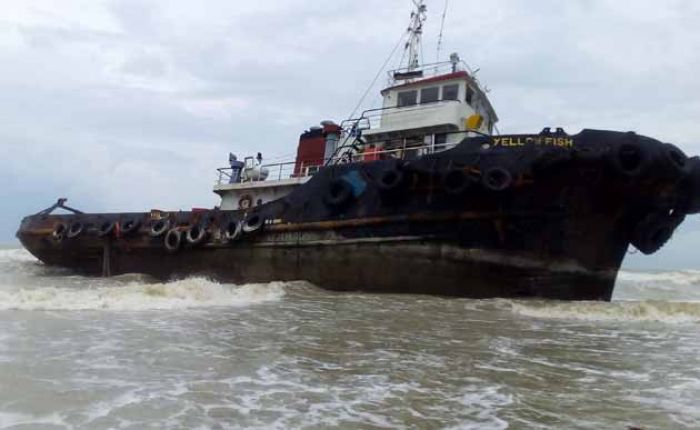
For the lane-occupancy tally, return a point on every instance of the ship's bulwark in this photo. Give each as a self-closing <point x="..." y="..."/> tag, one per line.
<point x="537" y="217"/>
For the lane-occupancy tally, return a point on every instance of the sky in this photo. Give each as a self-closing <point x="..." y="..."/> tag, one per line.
<point x="128" y="105"/>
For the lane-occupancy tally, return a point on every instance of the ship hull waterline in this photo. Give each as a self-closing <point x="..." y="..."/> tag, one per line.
<point x="405" y="264"/>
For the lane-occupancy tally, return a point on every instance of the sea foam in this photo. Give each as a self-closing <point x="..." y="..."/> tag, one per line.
<point x="672" y="286"/>
<point x="623" y="311"/>
<point x="136" y="296"/>
<point x="15" y="255"/>
<point x="679" y="277"/>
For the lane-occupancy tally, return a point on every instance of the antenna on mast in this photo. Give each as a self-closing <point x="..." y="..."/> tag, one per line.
<point x="442" y="28"/>
<point x="415" y="34"/>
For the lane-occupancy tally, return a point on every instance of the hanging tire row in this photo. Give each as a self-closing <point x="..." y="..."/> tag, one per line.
<point x="394" y="178"/>
<point x="174" y="236"/>
<point x="633" y="159"/>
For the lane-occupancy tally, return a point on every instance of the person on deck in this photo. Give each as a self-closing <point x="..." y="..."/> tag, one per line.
<point x="236" y="168"/>
<point x="371" y="153"/>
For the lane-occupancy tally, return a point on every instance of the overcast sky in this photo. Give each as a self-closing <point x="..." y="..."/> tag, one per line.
<point x="132" y="104"/>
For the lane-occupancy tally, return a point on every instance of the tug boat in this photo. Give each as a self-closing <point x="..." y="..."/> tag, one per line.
<point x="421" y="195"/>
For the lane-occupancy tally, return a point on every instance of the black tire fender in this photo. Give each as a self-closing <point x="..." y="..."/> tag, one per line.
<point x="130" y="226"/>
<point x="59" y="232"/>
<point x="75" y="229"/>
<point x="629" y="157"/>
<point x="654" y="230"/>
<point x="106" y="228"/>
<point x="245" y="202"/>
<point x="391" y="179"/>
<point x="159" y="227"/>
<point x="196" y="235"/>
<point x="233" y="230"/>
<point x="456" y="181"/>
<point x="496" y="178"/>
<point x="253" y="223"/>
<point x="172" y="240"/>
<point x="674" y="161"/>
<point x="339" y="193"/>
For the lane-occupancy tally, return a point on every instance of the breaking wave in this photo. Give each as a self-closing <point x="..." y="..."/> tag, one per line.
<point x="17" y="260"/>
<point x="137" y="296"/>
<point x="680" y="277"/>
<point x="16" y="255"/>
<point x="677" y="286"/>
<point x="623" y="311"/>
<point x="27" y="284"/>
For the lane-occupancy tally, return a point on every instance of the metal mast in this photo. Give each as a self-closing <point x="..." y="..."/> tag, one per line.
<point x="415" y="33"/>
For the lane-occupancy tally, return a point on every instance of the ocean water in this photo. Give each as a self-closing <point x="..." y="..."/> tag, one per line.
<point x="129" y="352"/>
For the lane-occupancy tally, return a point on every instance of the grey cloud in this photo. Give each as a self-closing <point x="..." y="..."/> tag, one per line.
<point x="144" y="64"/>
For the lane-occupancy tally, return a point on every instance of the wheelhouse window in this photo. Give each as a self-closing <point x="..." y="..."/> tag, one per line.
<point x="429" y="95"/>
<point x="440" y="139"/>
<point x="450" y="92"/>
<point x="408" y="98"/>
<point x="470" y="95"/>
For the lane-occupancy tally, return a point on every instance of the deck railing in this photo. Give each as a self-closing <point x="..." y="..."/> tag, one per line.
<point x="289" y="169"/>
<point x="434" y="69"/>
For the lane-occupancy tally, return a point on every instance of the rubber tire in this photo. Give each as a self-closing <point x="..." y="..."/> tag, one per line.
<point x="246" y="198"/>
<point x="75" y="229"/>
<point x="456" y="181"/>
<point x="232" y="234"/>
<point x="130" y="226"/>
<point x="106" y="228"/>
<point x="629" y="158"/>
<point x="653" y="231"/>
<point x="674" y="161"/>
<point x="339" y="193"/>
<point x="496" y="179"/>
<point x="172" y="240"/>
<point x="391" y="179"/>
<point x="159" y="227"/>
<point x="59" y="232"/>
<point x="200" y="236"/>
<point x="253" y="223"/>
